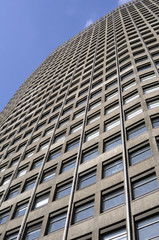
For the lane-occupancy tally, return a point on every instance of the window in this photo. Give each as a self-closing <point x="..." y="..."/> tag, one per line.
<point x="150" y="88"/>
<point x="63" y="190"/>
<point x="90" y="153"/>
<point x="56" y="222"/>
<point x="111" y="95"/>
<point x="139" y="154"/>
<point x="76" y="127"/>
<point x="112" y="143"/>
<point x="63" y="122"/>
<point x="96" y="93"/>
<point x="59" y="137"/>
<point x="131" y="97"/>
<point x="119" y="234"/>
<point x="29" y="184"/>
<point x="54" y="154"/>
<point x="35" y="139"/>
<point x="148" y="228"/>
<point x="144" y="185"/>
<point x="111" y="108"/>
<point x="112" y="167"/>
<point x="155" y="121"/>
<point x="133" y="112"/>
<point x="3" y="168"/>
<point x="83" y="211"/>
<point x="148" y="76"/>
<point x="29" y="153"/>
<point x="112" y="199"/>
<point x="91" y="134"/>
<point x="37" y="163"/>
<point x="85" y="179"/>
<point x="11" y="236"/>
<point x="41" y="200"/>
<point x="93" y="118"/>
<point x="33" y="232"/>
<point x="22" y="171"/>
<point x="136" y="130"/>
<point x="79" y="113"/>
<point x="4" y="217"/>
<point x="80" y="102"/>
<point x="6" y="179"/>
<point x="128" y="85"/>
<point x="152" y="103"/>
<point x="95" y="104"/>
<point x="20" y="209"/>
<point x="68" y="164"/>
<point x="43" y="145"/>
<point x="72" y="144"/>
<point x="111" y="124"/>
<point x="13" y="192"/>
<point x="111" y="84"/>
<point x="49" y="131"/>
<point x="48" y="174"/>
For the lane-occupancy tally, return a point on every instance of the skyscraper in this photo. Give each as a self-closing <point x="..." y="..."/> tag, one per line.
<point x="80" y="138"/>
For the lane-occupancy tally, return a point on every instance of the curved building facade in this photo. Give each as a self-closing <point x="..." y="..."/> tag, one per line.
<point x="79" y="140"/>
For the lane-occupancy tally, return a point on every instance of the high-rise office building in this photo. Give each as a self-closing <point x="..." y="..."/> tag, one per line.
<point x="80" y="138"/>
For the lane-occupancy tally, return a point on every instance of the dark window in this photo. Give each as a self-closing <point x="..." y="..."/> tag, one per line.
<point x="112" y="199"/>
<point x="155" y="121"/>
<point x="20" y="210"/>
<point x="11" y="236"/>
<point x="63" y="190"/>
<point x="144" y="185"/>
<point x="139" y="154"/>
<point x="86" y="179"/>
<point x="112" y="167"/>
<point x="83" y="211"/>
<point x="90" y="154"/>
<point x="136" y="130"/>
<point x="37" y="163"/>
<point x="148" y="228"/>
<point x="56" y="222"/>
<point x="112" y="143"/>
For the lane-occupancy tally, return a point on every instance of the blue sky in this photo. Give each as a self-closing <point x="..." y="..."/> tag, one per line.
<point x="31" y="29"/>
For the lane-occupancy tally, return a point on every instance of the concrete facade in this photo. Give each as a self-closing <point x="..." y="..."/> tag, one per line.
<point x="80" y="138"/>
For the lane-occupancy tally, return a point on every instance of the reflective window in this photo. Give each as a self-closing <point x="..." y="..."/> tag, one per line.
<point x="29" y="184"/>
<point x="13" y="192"/>
<point x="20" y="210"/>
<point x="144" y="185"/>
<point x="90" y="154"/>
<point x="112" y="143"/>
<point x="111" y="124"/>
<point x="83" y="211"/>
<point x="68" y="164"/>
<point x="48" y="174"/>
<point x="112" y="199"/>
<point x="153" y="103"/>
<point x="133" y="112"/>
<point x="56" y="222"/>
<point x="4" y="217"/>
<point x="112" y="167"/>
<point x="33" y="232"/>
<point x="155" y="121"/>
<point x="148" y="228"/>
<point x="41" y="200"/>
<point x="63" y="190"/>
<point x="119" y="234"/>
<point x="86" y="179"/>
<point x="136" y="130"/>
<point x="139" y="154"/>
<point x="71" y="145"/>
<point x="92" y="134"/>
